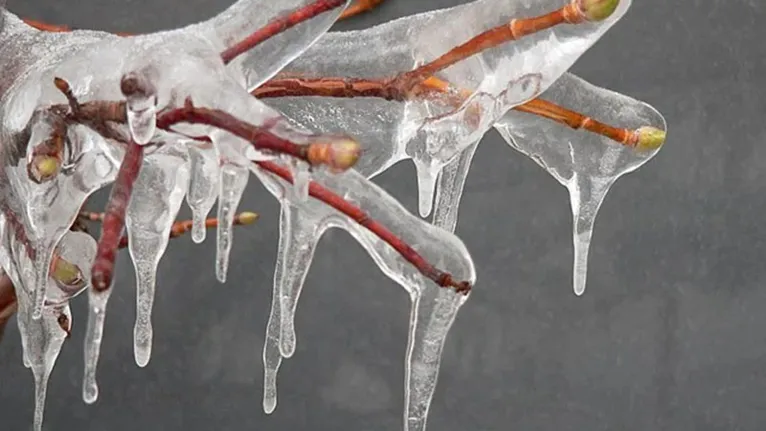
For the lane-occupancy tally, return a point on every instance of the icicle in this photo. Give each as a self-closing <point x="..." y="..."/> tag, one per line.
<point x="433" y="312"/>
<point x="149" y="220"/>
<point x="203" y="188"/>
<point x="427" y="175"/>
<point x="272" y="358"/>
<point x="586" y="163"/>
<point x="450" y="189"/>
<point x="232" y="185"/>
<point x="42" y="340"/>
<point x="94" y="333"/>
<point x="585" y="195"/>
<point x="295" y="254"/>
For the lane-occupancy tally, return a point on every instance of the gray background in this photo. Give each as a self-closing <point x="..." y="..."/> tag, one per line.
<point x="669" y="335"/>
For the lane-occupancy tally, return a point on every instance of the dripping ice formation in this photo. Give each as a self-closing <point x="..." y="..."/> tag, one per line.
<point x="585" y="163"/>
<point x="36" y="215"/>
<point x="302" y="223"/>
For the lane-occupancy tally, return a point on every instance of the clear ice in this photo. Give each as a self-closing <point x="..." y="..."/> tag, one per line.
<point x="185" y="63"/>
<point x="585" y="163"/>
<point x="440" y="139"/>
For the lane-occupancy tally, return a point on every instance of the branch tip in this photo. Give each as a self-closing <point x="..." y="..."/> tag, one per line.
<point x="649" y="138"/>
<point x="597" y="10"/>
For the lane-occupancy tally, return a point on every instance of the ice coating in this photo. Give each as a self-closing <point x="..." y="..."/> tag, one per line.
<point x="429" y="132"/>
<point x="585" y="163"/>
<point x="266" y="59"/>
<point x="161" y="185"/>
<point x="302" y="223"/>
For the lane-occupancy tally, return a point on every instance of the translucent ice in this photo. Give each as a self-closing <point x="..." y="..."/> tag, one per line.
<point x="203" y="187"/>
<point x="587" y="164"/>
<point x="94" y="334"/>
<point x="266" y="59"/>
<point x="304" y="221"/>
<point x="161" y="184"/>
<point x="232" y="183"/>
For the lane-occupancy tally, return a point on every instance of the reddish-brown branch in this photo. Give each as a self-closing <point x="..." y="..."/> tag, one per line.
<point x="359" y="6"/>
<point x="338" y="153"/>
<point x="572" y="13"/>
<point x="279" y="25"/>
<point x="328" y="197"/>
<point x="114" y="217"/>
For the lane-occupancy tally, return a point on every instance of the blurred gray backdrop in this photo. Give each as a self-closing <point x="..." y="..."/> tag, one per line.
<point x="669" y="335"/>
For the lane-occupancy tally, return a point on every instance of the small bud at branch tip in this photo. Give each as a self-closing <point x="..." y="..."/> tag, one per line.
<point x="597" y="10"/>
<point x="649" y="139"/>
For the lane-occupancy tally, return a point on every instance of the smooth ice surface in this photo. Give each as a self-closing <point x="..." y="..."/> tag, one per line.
<point x="232" y="183"/>
<point x="303" y="222"/>
<point x="585" y="163"/>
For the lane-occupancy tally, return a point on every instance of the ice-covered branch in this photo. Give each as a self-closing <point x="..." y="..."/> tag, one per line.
<point x="249" y="17"/>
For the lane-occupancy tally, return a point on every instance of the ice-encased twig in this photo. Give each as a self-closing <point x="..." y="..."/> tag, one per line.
<point x="500" y="78"/>
<point x="302" y="224"/>
<point x="246" y="16"/>
<point x="432" y="134"/>
<point x="585" y="163"/>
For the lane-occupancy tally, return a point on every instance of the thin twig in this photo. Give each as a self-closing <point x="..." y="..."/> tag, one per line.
<point x="317" y="191"/>
<point x="279" y="25"/>
<point x="338" y="153"/>
<point x="359" y="7"/>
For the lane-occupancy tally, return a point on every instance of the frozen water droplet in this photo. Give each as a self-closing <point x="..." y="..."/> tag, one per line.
<point x="450" y="189"/>
<point x="94" y="334"/>
<point x="232" y="185"/>
<point x="203" y="188"/>
<point x="149" y="220"/>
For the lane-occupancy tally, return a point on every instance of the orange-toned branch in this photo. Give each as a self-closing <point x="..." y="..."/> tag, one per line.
<point x="359" y="7"/>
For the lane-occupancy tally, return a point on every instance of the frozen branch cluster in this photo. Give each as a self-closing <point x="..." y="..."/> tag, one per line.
<point x="77" y="109"/>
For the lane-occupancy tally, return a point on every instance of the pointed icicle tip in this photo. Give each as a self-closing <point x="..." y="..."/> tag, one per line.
<point x="649" y="139"/>
<point x="597" y="10"/>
